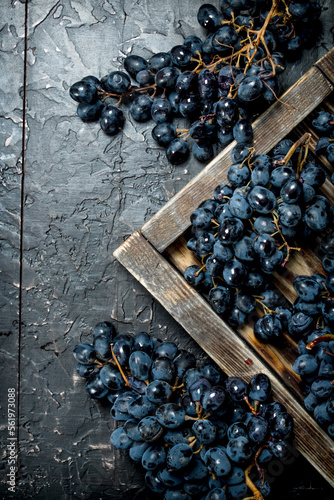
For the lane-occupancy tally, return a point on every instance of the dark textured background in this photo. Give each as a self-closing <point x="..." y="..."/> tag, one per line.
<point x="83" y="193"/>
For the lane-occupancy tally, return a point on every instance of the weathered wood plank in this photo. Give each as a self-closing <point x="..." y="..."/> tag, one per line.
<point x="326" y="65"/>
<point x="167" y="285"/>
<point x="274" y="124"/>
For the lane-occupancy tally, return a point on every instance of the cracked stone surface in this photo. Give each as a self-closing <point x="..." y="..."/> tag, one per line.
<point x="84" y="194"/>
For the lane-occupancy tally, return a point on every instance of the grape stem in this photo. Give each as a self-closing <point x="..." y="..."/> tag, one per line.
<point x="103" y="94"/>
<point x="193" y="443"/>
<point x="184" y="134"/>
<point x="199" y="449"/>
<point x="252" y="409"/>
<point x="253" y="39"/>
<point x="199" y="411"/>
<point x="324" y="338"/>
<point x="260" y="36"/>
<point x="177" y="387"/>
<point x="215" y="223"/>
<point x="99" y="363"/>
<point x="212" y="475"/>
<point x="257" y="495"/>
<point x="244" y="191"/>
<point x="303" y="140"/>
<point x="288" y="248"/>
<point x="266" y="309"/>
<point x="277" y="98"/>
<point x="199" y="271"/>
<point x="327" y="293"/>
<point x="119" y="366"/>
<point x="257" y="454"/>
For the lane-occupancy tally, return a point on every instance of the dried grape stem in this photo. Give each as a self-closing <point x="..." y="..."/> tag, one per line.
<point x="288" y="248"/>
<point x="119" y="367"/>
<point x="253" y="410"/>
<point x="199" y="449"/>
<point x="261" y="33"/>
<point x="259" y="469"/>
<point x="323" y="338"/>
<point x="277" y="98"/>
<point x="304" y="140"/>
<point x="256" y="493"/>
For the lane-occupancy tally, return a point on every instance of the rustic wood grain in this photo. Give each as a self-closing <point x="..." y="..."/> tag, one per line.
<point x="326" y="65"/>
<point x="167" y="285"/>
<point x="274" y="124"/>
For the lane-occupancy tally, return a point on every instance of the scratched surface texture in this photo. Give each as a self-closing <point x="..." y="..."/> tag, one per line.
<point x="83" y="193"/>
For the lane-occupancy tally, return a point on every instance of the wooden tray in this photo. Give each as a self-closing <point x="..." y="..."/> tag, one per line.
<point x="157" y="256"/>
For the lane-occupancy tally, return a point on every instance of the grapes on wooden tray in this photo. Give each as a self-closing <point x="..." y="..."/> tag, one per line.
<point x="249" y="231"/>
<point x="218" y="85"/>
<point x="315" y="363"/>
<point x="197" y="433"/>
<point x="246" y="233"/>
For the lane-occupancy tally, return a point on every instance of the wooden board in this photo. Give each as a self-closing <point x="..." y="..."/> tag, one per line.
<point x="157" y="256"/>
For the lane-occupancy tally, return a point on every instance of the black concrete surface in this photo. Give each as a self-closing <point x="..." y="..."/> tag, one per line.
<point x="68" y="200"/>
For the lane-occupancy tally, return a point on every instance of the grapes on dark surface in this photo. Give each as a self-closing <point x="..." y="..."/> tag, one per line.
<point x="220" y="83"/>
<point x="274" y="206"/>
<point x="203" y="434"/>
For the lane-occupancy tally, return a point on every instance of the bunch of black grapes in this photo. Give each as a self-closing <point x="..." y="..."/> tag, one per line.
<point x="270" y="208"/>
<point x="217" y="84"/>
<point x="324" y="125"/>
<point x="197" y="433"/>
<point x="313" y="329"/>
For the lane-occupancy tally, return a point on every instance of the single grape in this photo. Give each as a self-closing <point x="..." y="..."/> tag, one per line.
<point x="140" y="364"/>
<point x="217" y="461"/>
<point x="84" y="354"/>
<point x="150" y="429"/>
<point x="239" y="450"/>
<point x="95" y="387"/>
<point x="84" y="92"/>
<point x="179" y="456"/>
<point x="204" y="431"/>
<point x="141" y="107"/>
<point x="177" y="151"/>
<point x="120" y="440"/>
<point x="170" y="415"/>
<point x="153" y="457"/>
<point x="111" y="119"/>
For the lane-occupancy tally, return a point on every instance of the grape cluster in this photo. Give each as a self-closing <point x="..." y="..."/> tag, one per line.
<point x="250" y="228"/>
<point x="324" y="124"/>
<point x="217" y="84"/>
<point x="315" y="363"/>
<point x="197" y="433"/>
